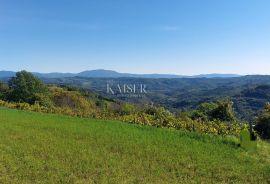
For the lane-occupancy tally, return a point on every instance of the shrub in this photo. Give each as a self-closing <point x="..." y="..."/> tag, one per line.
<point x="127" y="109"/>
<point x="73" y="100"/>
<point x="262" y="126"/>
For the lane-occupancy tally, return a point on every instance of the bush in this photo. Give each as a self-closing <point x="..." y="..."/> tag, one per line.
<point x="262" y="126"/>
<point x="73" y="100"/>
<point x="127" y="109"/>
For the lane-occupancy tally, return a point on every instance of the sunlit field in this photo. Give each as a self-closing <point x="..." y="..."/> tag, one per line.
<point x="45" y="148"/>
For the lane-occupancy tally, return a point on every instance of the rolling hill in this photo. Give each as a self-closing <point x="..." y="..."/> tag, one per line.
<point x="177" y="94"/>
<point x="249" y="93"/>
<point x="47" y="148"/>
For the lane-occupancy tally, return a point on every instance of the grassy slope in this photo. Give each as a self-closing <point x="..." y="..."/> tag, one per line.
<point x="42" y="148"/>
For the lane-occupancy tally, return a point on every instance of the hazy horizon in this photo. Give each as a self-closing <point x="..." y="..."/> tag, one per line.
<point x="141" y="37"/>
<point x="133" y="72"/>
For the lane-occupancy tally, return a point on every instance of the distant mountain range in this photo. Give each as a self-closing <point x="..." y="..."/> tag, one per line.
<point x="113" y="74"/>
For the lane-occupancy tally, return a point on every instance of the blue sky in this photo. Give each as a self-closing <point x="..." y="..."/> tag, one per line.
<point x="137" y="36"/>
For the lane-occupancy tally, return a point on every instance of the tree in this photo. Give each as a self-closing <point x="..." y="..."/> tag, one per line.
<point x="262" y="126"/>
<point x="25" y="87"/>
<point x="221" y="110"/>
<point x="224" y="111"/>
<point x="204" y="111"/>
<point x="3" y="91"/>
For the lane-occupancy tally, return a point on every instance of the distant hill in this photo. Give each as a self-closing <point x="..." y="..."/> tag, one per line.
<point x="54" y="75"/>
<point x="113" y="74"/>
<point x="6" y="74"/>
<point x="215" y="75"/>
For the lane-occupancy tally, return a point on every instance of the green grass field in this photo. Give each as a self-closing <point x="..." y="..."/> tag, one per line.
<point x="45" y="148"/>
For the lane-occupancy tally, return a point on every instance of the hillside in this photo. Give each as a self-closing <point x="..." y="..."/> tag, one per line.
<point x="187" y="93"/>
<point x="46" y="148"/>
<point x="249" y="93"/>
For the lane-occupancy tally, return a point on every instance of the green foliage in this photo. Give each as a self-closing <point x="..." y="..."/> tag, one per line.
<point x="127" y="109"/>
<point x="72" y="100"/>
<point x="25" y="87"/>
<point x="221" y="110"/>
<point x="263" y="123"/>
<point x="208" y="108"/>
<point x="3" y="91"/>
<point x="224" y="111"/>
<point x="204" y="111"/>
<point x="161" y="117"/>
<point x="43" y="99"/>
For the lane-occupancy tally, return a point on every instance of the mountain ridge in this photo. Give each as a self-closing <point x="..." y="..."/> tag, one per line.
<point x="101" y="73"/>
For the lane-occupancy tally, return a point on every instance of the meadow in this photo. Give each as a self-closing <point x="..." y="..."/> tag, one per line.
<point x="50" y="148"/>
